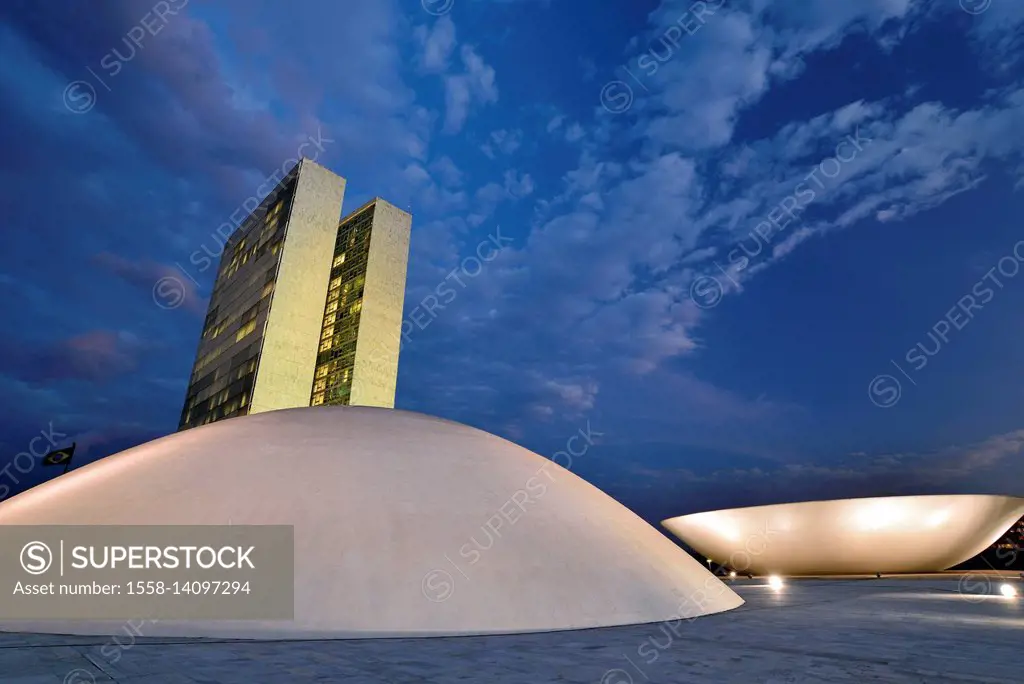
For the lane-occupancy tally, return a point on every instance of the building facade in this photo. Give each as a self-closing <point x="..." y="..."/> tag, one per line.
<point x="357" y="361"/>
<point x="888" y="535"/>
<point x="304" y="310"/>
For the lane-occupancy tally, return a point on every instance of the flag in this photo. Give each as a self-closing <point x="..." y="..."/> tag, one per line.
<point x="59" y="457"/>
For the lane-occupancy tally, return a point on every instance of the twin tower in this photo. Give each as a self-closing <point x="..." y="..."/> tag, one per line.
<point x="305" y="311"/>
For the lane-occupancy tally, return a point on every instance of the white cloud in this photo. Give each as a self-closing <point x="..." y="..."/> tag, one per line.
<point x="627" y="227"/>
<point x="435" y="44"/>
<point x="730" y="62"/>
<point x="518" y="186"/>
<point x="445" y="170"/>
<point x="474" y="86"/>
<point x="574" y="133"/>
<point x="502" y="142"/>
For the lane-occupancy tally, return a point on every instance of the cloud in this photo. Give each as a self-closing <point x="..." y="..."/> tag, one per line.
<point x="997" y="36"/>
<point x="910" y="161"/>
<point x="602" y="280"/>
<point x="502" y="142"/>
<point x="731" y="58"/>
<point x="445" y="170"/>
<point x="574" y="133"/>
<point x="436" y="44"/>
<point x="97" y="356"/>
<point x="475" y="86"/>
<point x="518" y="186"/>
<point x="990" y="466"/>
<point x="146" y="275"/>
<point x="663" y="480"/>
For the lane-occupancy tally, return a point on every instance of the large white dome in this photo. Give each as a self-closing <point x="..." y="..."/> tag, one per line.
<point x="380" y="499"/>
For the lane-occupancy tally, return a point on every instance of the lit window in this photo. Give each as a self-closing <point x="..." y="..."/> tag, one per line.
<point x="335" y="284"/>
<point x="332" y="306"/>
<point x="321" y="372"/>
<point x="320" y="385"/>
<point x="338" y="260"/>
<point x="327" y="334"/>
<point x="318" y="399"/>
<point x="245" y="330"/>
<point x="325" y="345"/>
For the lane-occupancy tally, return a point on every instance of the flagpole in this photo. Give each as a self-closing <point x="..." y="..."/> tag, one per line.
<point x="67" y="464"/>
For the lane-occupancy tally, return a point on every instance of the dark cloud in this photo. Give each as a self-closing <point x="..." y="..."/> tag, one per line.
<point x="643" y="477"/>
<point x="98" y="356"/>
<point x="167" y="286"/>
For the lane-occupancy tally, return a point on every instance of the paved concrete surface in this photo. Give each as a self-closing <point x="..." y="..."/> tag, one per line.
<point x="859" y="631"/>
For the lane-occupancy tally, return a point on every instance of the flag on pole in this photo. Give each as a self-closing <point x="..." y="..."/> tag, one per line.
<point x="60" y="457"/>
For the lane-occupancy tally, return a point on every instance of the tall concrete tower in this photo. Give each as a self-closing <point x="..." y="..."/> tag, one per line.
<point x="304" y="310"/>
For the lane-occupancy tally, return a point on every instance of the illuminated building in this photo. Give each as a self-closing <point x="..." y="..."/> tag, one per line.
<point x="267" y="342"/>
<point x="899" y="534"/>
<point x="1013" y="539"/>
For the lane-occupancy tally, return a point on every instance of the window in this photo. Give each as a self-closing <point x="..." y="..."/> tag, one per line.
<point x="338" y="260"/>
<point x="267" y="290"/>
<point x="217" y="329"/>
<point x="245" y="330"/>
<point x="245" y="369"/>
<point x="206" y="361"/>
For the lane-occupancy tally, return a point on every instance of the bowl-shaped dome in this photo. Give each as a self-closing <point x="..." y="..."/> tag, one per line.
<point x="897" y="534"/>
<point x="381" y="501"/>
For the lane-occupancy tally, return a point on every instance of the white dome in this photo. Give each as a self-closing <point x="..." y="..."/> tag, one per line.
<point x="379" y="499"/>
<point x="895" y="534"/>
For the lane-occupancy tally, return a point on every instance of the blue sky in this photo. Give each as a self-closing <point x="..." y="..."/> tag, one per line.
<point x="726" y="224"/>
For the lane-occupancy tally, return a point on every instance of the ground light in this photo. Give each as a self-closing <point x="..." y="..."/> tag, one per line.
<point x="775" y="582"/>
<point x="1008" y="591"/>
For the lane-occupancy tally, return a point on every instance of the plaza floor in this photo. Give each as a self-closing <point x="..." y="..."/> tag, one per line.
<point x="928" y="630"/>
